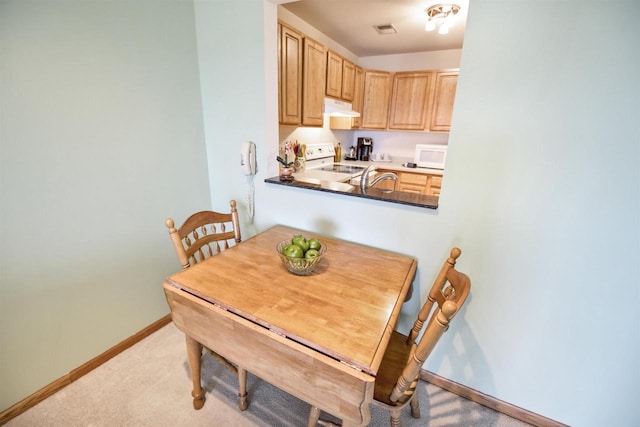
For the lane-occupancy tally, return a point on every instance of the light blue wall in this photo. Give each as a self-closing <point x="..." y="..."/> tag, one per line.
<point x="541" y="193"/>
<point x="101" y="139"/>
<point x="232" y="67"/>
<point x="553" y="222"/>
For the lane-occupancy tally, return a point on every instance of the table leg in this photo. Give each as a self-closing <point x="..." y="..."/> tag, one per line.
<point x="194" y="354"/>
<point x="242" y="380"/>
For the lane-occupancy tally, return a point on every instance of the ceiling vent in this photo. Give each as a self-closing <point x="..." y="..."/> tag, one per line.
<point x="385" y="29"/>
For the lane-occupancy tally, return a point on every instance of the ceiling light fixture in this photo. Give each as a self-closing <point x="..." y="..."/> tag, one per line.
<point x="442" y="15"/>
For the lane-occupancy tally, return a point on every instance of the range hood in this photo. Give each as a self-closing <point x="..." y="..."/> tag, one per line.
<point x="335" y="108"/>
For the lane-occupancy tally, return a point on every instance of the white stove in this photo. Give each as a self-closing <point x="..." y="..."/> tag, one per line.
<point x="319" y="158"/>
<point x="319" y="155"/>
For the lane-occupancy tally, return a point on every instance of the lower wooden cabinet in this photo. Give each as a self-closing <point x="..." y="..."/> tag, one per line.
<point x="386" y="184"/>
<point x="435" y="185"/>
<point x="411" y="182"/>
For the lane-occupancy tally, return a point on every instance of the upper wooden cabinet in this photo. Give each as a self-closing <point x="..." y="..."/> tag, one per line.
<point x="313" y="83"/>
<point x="348" y="80"/>
<point x="423" y="100"/>
<point x="301" y="74"/>
<point x="334" y="74"/>
<point x="358" y="95"/>
<point x="357" y="104"/>
<point x="446" y="83"/>
<point x="290" y="75"/>
<point x="340" y="77"/>
<point x="409" y="100"/>
<point x="377" y="89"/>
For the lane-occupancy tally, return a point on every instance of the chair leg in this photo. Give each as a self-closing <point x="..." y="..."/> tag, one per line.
<point x="242" y="379"/>
<point x="242" y="383"/>
<point x="415" y="406"/>
<point x="314" y="416"/>
<point x="395" y="418"/>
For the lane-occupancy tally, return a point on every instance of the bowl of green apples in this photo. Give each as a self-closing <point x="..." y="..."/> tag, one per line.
<point x="300" y="255"/>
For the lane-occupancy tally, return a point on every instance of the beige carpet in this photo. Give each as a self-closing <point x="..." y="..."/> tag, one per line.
<point x="149" y="385"/>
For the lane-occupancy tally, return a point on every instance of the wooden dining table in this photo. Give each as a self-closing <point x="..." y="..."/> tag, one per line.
<point x="319" y="337"/>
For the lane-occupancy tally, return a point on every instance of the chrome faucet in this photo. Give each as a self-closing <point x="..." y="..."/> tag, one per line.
<point x="364" y="178"/>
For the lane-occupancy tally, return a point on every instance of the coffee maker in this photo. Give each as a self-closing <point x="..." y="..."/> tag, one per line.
<point x="364" y="149"/>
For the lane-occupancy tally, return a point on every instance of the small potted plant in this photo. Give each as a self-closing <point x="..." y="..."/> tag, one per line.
<point x="286" y="169"/>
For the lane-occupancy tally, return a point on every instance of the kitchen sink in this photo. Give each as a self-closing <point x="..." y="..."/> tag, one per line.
<point x="336" y="186"/>
<point x="329" y="185"/>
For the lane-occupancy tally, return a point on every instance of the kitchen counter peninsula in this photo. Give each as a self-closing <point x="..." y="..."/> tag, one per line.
<point x="404" y="198"/>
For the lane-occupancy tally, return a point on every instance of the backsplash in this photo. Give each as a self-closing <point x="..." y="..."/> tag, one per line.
<point x="397" y="144"/>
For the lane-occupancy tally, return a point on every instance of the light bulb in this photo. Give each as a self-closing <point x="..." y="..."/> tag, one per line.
<point x="444" y="28"/>
<point x="449" y="19"/>
<point x="431" y="25"/>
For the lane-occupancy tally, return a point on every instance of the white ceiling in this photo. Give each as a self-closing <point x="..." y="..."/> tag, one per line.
<point x="351" y="24"/>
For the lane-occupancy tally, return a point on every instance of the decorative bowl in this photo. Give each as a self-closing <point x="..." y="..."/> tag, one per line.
<point x="299" y="266"/>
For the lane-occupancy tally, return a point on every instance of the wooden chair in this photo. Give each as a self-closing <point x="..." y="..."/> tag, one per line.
<point x="397" y="378"/>
<point x="202" y="235"/>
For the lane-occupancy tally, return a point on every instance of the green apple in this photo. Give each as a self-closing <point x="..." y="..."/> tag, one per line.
<point x="293" y="251"/>
<point x="301" y="241"/>
<point x="314" y="244"/>
<point x="311" y="254"/>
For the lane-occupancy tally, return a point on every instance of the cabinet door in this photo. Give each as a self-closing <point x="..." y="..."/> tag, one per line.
<point x="409" y="100"/>
<point x="445" y="93"/>
<point x="313" y="83"/>
<point x="334" y="74"/>
<point x="435" y="184"/>
<point x="358" y="95"/>
<point x="290" y="68"/>
<point x="375" y="110"/>
<point x="385" y="184"/>
<point x="348" y="80"/>
<point x="409" y="188"/>
<point x="416" y="183"/>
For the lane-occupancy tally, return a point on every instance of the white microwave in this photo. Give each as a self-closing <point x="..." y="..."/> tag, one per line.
<point x="430" y="156"/>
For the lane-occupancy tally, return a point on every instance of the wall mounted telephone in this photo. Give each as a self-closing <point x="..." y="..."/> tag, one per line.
<point x="249" y="168"/>
<point x="248" y="158"/>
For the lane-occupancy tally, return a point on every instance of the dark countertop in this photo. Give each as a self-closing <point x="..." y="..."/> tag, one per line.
<point x="419" y="200"/>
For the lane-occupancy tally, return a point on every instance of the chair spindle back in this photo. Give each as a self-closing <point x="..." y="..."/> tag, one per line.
<point x="447" y="301"/>
<point x="204" y="234"/>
